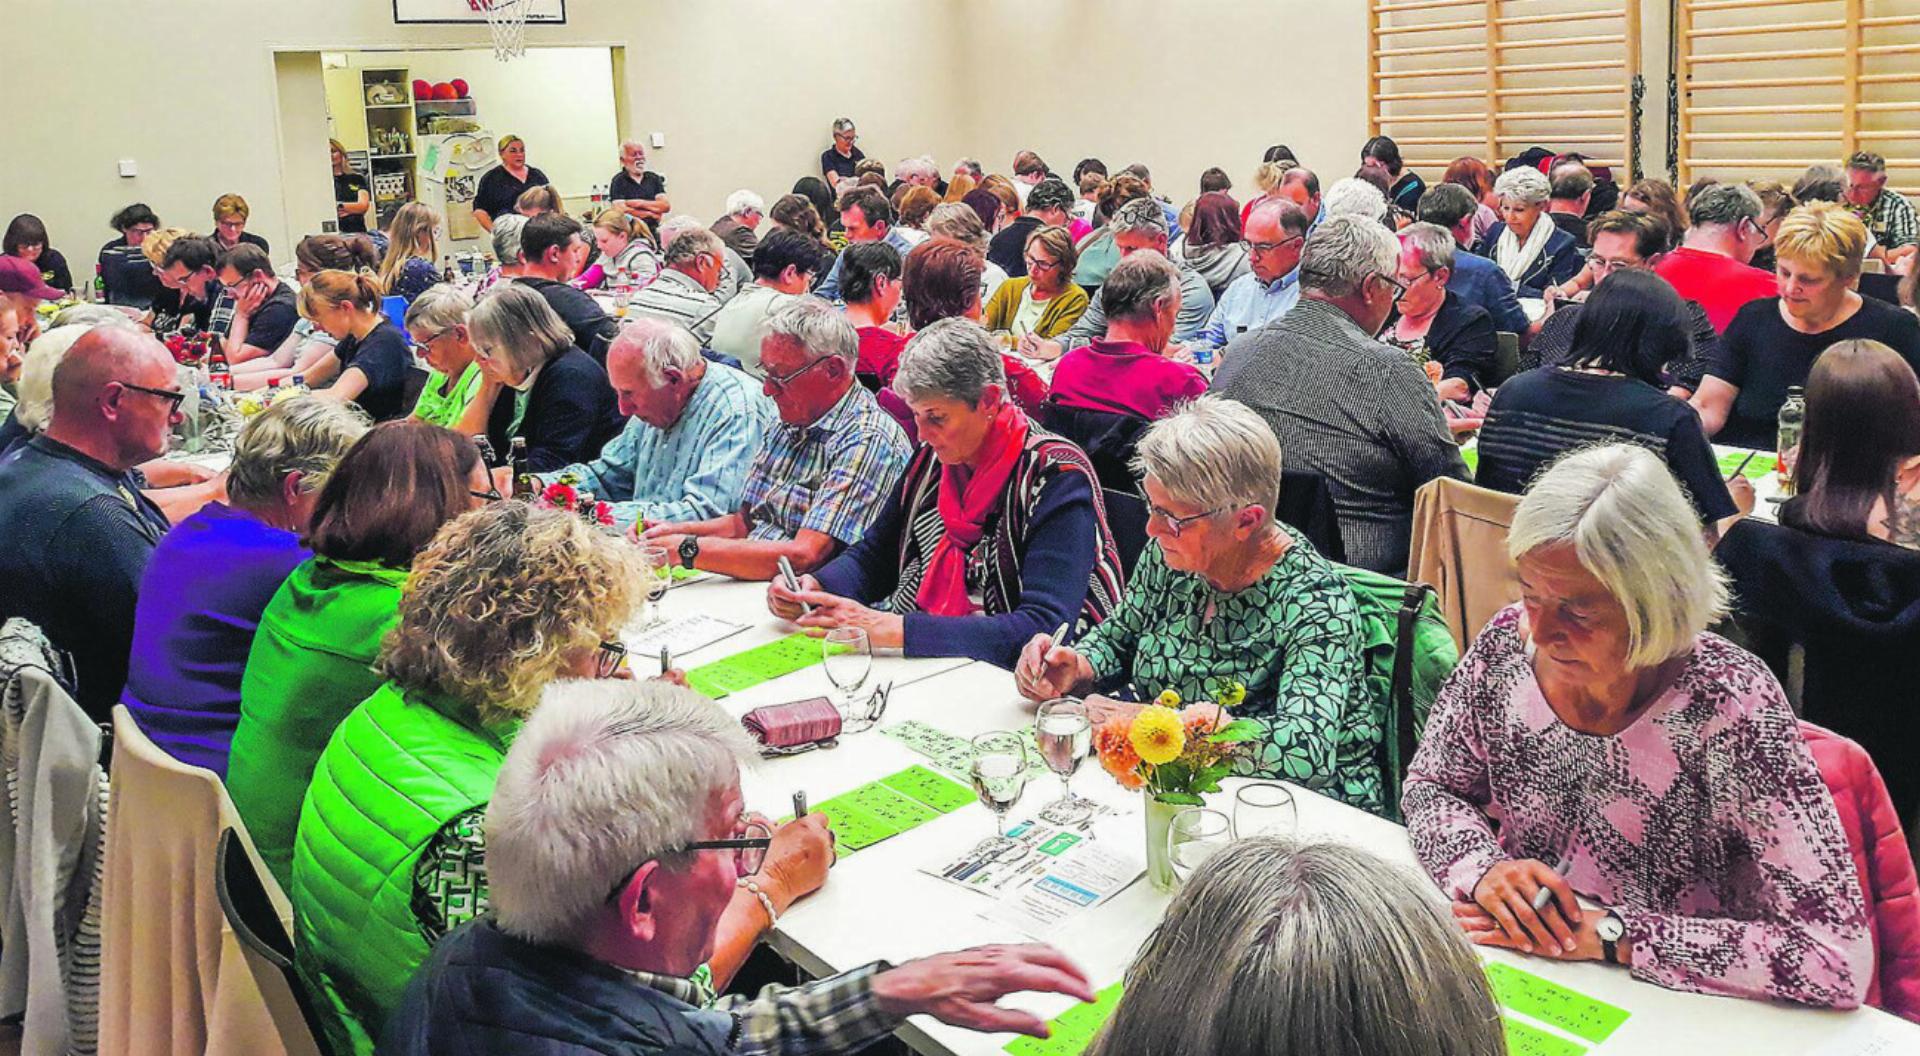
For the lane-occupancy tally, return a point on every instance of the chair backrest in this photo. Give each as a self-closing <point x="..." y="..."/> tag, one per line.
<point x="251" y="912"/>
<point x="1881" y="286"/>
<point x="1506" y="357"/>
<point x="1408" y="654"/>
<point x="395" y="308"/>
<point x="1127" y="520"/>
<point x="1306" y="506"/>
<point x="1107" y="437"/>
<point x="1459" y="546"/>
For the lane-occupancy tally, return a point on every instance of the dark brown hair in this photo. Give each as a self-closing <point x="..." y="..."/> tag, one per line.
<point x="1216" y="221"/>
<point x="943" y="280"/>
<point x="337" y="253"/>
<point x="1663" y="202"/>
<point x="1863" y="420"/>
<point x="391" y="492"/>
<point x="914" y="204"/>
<point x="25" y="230"/>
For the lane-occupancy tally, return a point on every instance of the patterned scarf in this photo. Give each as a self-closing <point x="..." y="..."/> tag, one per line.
<point x="967" y="498"/>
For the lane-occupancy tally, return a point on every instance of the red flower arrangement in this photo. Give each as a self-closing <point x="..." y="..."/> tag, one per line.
<point x="565" y="497"/>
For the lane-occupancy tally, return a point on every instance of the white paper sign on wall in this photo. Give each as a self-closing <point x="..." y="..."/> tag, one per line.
<point x="540" y="12"/>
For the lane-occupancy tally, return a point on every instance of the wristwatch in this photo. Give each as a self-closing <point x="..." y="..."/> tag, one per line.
<point x="689" y="550"/>
<point x="1610" y="929"/>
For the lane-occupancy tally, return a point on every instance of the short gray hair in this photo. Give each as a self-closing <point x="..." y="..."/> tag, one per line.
<point x="1632" y="527"/>
<point x="816" y="326"/>
<point x="606" y="775"/>
<point x="954" y="357"/>
<point x="661" y="346"/>
<point x="1331" y="950"/>
<point x="303" y="435"/>
<point x="1354" y="197"/>
<point x="1138" y="285"/>
<point x="91" y="315"/>
<point x="34" y="412"/>
<point x="676" y="225"/>
<point x="1139" y="215"/>
<point x="1724" y="205"/>
<point x="958" y="221"/>
<point x="743" y="201"/>
<point x="920" y="166"/>
<point x="843" y="124"/>
<point x="1215" y="453"/>
<point x="691" y="243"/>
<point x="506" y="238"/>
<point x="1432" y="243"/>
<point x="438" y="309"/>
<point x="1343" y="252"/>
<point x="1526" y="185"/>
<point x="515" y="321"/>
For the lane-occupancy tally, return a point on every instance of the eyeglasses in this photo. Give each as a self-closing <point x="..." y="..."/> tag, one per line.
<point x="422" y="344"/>
<point x="609" y="658"/>
<point x="492" y="494"/>
<point x="749" y="846"/>
<point x="1399" y="288"/>
<point x="1603" y="265"/>
<point x="174" y="397"/>
<point x="779" y="381"/>
<point x="1036" y="264"/>
<point x="1273" y="247"/>
<point x="1175" y="525"/>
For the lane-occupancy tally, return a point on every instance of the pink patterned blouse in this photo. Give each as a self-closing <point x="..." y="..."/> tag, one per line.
<point x="1704" y="825"/>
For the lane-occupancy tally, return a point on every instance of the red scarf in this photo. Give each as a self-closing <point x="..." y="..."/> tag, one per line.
<point x="967" y="497"/>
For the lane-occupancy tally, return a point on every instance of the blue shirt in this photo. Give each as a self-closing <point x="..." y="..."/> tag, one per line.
<point x="830" y="289"/>
<point x="832" y="476"/>
<point x="695" y="469"/>
<point x="1477" y="280"/>
<point x="200" y="602"/>
<point x="1247" y="304"/>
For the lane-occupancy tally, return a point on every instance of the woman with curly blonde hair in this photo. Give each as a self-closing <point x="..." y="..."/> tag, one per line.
<point x="391" y="851"/>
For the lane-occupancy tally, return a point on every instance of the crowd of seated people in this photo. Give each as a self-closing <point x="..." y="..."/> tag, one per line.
<point x="408" y="672"/>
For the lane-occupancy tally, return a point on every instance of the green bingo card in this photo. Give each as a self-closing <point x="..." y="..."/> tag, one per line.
<point x="891" y="806"/>
<point x="762" y="663"/>
<point x="1553" y="1004"/>
<point x="1073" y="1030"/>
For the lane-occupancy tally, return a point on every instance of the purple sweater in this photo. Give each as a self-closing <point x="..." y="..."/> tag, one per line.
<point x="1704" y="824"/>
<point x="206" y="585"/>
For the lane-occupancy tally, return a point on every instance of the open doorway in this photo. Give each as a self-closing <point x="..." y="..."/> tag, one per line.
<point x="562" y="101"/>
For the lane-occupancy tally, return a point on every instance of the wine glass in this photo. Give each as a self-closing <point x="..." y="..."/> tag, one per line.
<point x="1064" y="734"/>
<point x="659" y="578"/>
<point x="849" y="659"/>
<point x="1196" y="834"/>
<point x="1263" y="808"/>
<point x="999" y="771"/>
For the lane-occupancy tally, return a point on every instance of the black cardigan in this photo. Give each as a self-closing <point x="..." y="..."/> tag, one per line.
<point x="571" y="414"/>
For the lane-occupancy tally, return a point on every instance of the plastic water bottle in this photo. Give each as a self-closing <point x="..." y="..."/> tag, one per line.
<point x="1792" y="422"/>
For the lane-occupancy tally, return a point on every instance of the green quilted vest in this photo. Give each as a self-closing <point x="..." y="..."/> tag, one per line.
<point x="396" y="772"/>
<point x="311" y="664"/>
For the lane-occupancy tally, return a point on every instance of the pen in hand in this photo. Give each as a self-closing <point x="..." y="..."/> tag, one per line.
<point x="792" y="582"/>
<point x="1545" y="894"/>
<point x="799" y="805"/>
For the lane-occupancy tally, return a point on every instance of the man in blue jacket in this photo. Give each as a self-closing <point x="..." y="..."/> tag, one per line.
<point x="1476" y="280"/>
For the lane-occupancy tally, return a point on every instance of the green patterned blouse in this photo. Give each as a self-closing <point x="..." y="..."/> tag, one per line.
<point x="1293" y="639"/>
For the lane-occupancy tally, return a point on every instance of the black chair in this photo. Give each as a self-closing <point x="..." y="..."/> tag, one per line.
<point x="1108" y="438"/>
<point x="1306" y="506"/>
<point x="1127" y="520"/>
<point x="1506" y="357"/>
<point x="1880" y="287"/>
<point x="268" y="949"/>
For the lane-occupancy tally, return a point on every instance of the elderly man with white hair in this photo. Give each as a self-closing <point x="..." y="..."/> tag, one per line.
<point x="823" y="474"/>
<point x="683" y="293"/>
<point x="737" y="272"/>
<point x="738" y="228"/>
<point x="1343" y="404"/>
<point x="693" y="430"/>
<point x="1137" y="225"/>
<point x="1353" y="197"/>
<point x="615" y="839"/>
<point x="638" y="190"/>
<point x="1529" y="248"/>
<point x="1537" y="770"/>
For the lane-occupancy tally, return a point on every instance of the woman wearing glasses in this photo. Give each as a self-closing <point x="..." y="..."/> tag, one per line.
<point x="536" y="383"/>
<point x="391" y="849"/>
<point x="313" y="654"/>
<point x="437" y="322"/>
<point x="1225" y="594"/>
<point x="1044" y="303"/>
<point x="1452" y="338"/>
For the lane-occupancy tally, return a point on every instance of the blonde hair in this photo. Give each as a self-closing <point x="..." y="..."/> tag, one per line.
<point x="619" y="221"/>
<point x="957" y="221"/>
<point x="334" y="287"/>
<point x="230" y="207"/>
<point x="1823" y="233"/>
<point x="500" y="602"/>
<point x="1632" y="527"/>
<point x="304" y="435"/>
<point x="1270" y="173"/>
<point x="508" y="140"/>
<point x="154" y="247"/>
<point x="412" y="226"/>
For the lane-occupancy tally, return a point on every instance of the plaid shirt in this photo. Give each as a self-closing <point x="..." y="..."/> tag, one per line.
<point x="1892" y="221"/>
<point x="831" y="476"/>
<point x="221" y="321"/>
<point x="836" y="1014"/>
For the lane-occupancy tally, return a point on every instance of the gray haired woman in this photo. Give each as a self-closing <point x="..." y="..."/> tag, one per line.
<point x="538" y="386"/>
<point x="437" y="322"/>
<point x="1225" y="595"/>
<point x="1321" y="949"/>
<point x="1532" y="251"/>
<point x="996" y="533"/>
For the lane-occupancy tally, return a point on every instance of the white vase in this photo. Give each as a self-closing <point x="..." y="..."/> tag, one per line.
<point x="1159" y="863"/>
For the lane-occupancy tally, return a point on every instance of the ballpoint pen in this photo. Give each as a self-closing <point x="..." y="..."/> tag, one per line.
<point x="793" y="582"/>
<point x="799" y="805"/>
<point x="666" y="660"/>
<point x="1545" y="894"/>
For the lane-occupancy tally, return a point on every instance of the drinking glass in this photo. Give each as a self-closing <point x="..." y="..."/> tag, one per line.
<point x="999" y="771"/>
<point x="1064" y="734"/>
<point x="1196" y="834"/>
<point x="1263" y="808"/>
<point x="659" y="578"/>
<point x="849" y="659"/>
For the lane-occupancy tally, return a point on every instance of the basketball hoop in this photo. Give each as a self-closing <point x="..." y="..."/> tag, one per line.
<point x="507" y="22"/>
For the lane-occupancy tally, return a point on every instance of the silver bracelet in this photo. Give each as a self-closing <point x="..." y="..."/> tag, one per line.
<point x="766" y="903"/>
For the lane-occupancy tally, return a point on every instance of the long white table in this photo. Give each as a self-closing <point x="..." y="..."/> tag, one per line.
<point x="876" y="904"/>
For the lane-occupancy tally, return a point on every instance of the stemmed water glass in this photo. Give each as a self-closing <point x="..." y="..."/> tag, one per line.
<point x="1263" y="808"/>
<point x="999" y="771"/>
<point x="848" y="653"/>
<point x="1196" y="834"/>
<point x="1064" y="734"/>
<point x="659" y="578"/>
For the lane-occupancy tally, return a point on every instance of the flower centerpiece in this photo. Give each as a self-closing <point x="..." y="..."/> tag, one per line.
<point x="563" y="495"/>
<point x="1174" y="755"/>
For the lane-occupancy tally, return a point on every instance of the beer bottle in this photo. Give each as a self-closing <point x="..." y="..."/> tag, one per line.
<point x="522" y="476"/>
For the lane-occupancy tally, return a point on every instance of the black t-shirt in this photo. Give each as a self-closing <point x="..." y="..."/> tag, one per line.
<point x="1763" y="356"/>
<point x="1540" y="414"/>
<point x="53" y="269"/>
<point x="650" y="186"/>
<point x="274" y="319"/>
<point x="1009" y="247"/>
<point x="498" y="190"/>
<point x="1572" y="225"/>
<point x="347" y="189"/>
<point x="832" y="163"/>
<point x="247" y="237"/>
<point x="593" y="330"/>
<point x="383" y="356"/>
<point x="175" y="310"/>
<point x="129" y="274"/>
<point x="1407" y="191"/>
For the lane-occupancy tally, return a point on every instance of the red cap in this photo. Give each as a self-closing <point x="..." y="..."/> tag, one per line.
<point x="19" y="276"/>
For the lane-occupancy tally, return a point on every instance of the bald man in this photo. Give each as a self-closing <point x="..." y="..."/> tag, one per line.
<point x="75" y="529"/>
